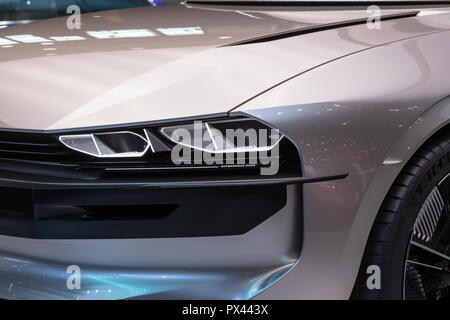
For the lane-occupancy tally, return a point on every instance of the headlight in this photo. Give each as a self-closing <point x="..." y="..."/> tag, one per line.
<point x="228" y="136"/>
<point x="122" y="144"/>
<point x="217" y="145"/>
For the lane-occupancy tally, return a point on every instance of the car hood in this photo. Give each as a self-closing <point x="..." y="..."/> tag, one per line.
<point x="153" y="63"/>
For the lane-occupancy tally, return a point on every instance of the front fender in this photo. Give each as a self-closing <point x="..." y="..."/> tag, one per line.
<point x="364" y="115"/>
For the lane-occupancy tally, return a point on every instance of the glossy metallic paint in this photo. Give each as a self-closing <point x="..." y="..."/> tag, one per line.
<point x="355" y="101"/>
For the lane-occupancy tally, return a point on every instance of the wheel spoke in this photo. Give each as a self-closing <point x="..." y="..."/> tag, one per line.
<point x="425" y="265"/>
<point x="437" y="253"/>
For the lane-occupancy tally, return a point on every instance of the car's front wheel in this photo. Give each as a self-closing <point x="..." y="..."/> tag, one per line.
<point x="409" y="245"/>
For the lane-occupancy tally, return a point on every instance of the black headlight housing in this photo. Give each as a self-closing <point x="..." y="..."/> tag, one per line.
<point x="131" y="153"/>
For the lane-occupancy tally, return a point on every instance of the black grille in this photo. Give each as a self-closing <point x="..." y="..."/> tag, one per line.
<point x="31" y="147"/>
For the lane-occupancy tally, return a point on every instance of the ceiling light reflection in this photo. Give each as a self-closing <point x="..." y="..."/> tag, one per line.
<point x="182" y="31"/>
<point x="27" y="38"/>
<point x="126" y="33"/>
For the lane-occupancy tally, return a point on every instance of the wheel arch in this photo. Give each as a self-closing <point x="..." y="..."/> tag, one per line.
<point x="434" y="122"/>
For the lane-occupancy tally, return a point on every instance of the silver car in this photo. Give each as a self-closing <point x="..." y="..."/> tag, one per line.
<point x="224" y="150"/>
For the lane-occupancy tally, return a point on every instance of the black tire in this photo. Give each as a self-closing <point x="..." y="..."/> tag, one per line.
<point x="389" y="241"/>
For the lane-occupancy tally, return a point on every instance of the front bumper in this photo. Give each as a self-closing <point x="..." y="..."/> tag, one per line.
<point x="197" y="234"/>
<point x="236" y="266"/>
<point x="204" y="237"/>
<point x="211" y="250"/>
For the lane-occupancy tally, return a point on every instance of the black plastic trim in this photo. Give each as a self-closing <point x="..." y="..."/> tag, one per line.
<point x="128" y="214"/>
<point x="168" y="184"/>
<point x="313" y="29"/>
